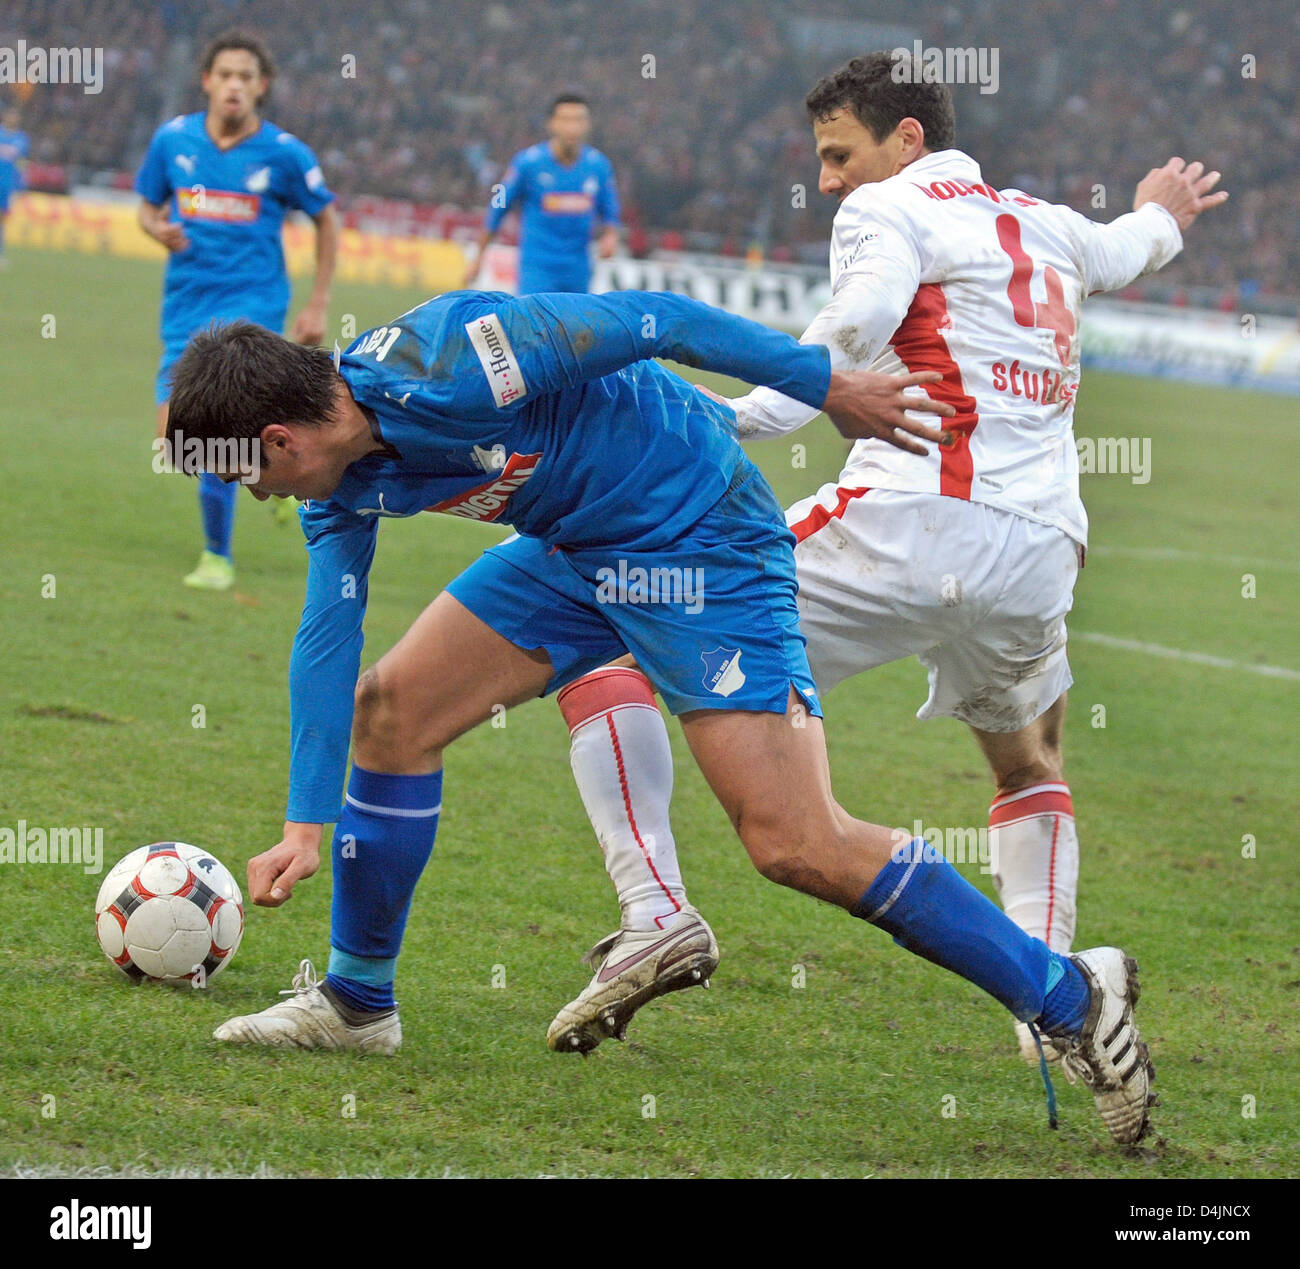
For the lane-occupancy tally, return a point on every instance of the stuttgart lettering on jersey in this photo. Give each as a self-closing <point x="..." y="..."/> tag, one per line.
<point x="218" y="204"/>
<point x="487" y="501"/>
<point x="497" y="359"/>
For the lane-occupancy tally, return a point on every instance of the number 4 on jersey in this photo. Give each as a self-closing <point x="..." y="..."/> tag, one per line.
<point x="1055" y="315"/>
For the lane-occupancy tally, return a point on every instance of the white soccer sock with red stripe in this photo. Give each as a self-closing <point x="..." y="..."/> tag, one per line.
<point x="624" y="768"/>
<point x="1035" y="856"/>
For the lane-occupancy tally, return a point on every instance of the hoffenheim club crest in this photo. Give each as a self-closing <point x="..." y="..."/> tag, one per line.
<point x="722" y="672"/>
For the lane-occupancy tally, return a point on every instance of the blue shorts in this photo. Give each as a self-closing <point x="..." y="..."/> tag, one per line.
<point x="162" y="384"/>
<point x="534" y="279"/>
<point x="711" y="620"/>
<point x="174" y="346"/>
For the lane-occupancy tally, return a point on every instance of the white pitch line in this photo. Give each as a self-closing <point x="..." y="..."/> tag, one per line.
<point x="1194" y="557"/>
<point x="1177" y="654"/>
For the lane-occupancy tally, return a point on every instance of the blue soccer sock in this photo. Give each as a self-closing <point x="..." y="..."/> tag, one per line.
<point x="217" y="508"/>
<point x="930" y="909"/>
<point x="381" y="844"/>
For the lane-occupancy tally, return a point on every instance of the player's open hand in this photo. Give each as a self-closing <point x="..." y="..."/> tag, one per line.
<point x="1183" y="189"/>
<point x="273" y="874"/>
<point x="864" y="403"/>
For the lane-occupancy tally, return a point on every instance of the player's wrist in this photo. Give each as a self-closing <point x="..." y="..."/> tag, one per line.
<point x="303" y="835"/>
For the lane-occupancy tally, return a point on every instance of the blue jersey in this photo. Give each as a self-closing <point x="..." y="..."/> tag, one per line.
<point x="13" y="150"/>
<point x="232" y="204"/>
<point x="558" y="204"/>
<point x="544" y="413"/>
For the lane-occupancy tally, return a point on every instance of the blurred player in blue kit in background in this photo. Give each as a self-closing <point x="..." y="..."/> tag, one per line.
<point x="216" y="187"/>
<point x="13" y="156"/>
<point x="562" y="186"/>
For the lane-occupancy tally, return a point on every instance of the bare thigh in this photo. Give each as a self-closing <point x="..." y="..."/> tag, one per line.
<point x="449" y="672"/>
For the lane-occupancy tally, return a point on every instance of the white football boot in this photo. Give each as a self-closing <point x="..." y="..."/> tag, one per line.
<point x="309" y="1020"/>
<point x="632" y="968"/>
<point x="1108" y="1054"/>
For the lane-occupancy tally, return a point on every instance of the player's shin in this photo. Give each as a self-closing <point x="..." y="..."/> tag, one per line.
<point x="1034" y="850"/>
<point x="623" y="766"/>
<point x="930" y="909"/>
<point x="381" y="844"/>
<point x="217" y="508"/>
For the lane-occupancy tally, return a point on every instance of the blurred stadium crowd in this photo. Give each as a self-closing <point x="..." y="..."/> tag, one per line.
<point x="709" y="136"/>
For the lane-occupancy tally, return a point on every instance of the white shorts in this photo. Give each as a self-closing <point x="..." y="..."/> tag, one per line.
<point x="978" y="595"/>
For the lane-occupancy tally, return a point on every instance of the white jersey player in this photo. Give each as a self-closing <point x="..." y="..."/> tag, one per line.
<point x="962" y="554"/>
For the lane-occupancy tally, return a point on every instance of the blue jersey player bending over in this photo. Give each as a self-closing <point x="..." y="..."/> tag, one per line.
<point x="215" y="189"/>
<point x="562" y="186"/>
<point x="547" y="414"/>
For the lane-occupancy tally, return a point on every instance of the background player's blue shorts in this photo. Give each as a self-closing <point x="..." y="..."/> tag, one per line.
<point x="162" y="384"/>
<point x="174" y="346"/>
<point x="711" y="620"/>
<point x="534" y="279"/>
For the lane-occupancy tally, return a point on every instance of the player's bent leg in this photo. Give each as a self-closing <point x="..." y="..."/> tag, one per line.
<point x="752" y="761"/>
<point x="623" y="766"/>
<point x="1033" y="844"/>
<point x="443" y="677"/>
<point x="1084" y="1003"/>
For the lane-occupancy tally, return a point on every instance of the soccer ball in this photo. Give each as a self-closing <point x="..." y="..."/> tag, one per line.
<point x="170" y="912"/>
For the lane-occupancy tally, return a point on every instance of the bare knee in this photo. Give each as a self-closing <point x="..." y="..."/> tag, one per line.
<point x="797" y="856"/>
<point x="384" y="738"/>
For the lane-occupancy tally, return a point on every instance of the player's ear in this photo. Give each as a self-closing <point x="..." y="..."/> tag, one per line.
<point x="911" y="136"/>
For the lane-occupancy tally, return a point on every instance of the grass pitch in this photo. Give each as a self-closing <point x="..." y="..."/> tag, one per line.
<point x="879" y="1064"/>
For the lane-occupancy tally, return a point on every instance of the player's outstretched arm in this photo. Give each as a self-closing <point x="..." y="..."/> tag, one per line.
<point x="322" y="681"/>
<point x="1168" y="200"/>
<point x="552" y="342"/>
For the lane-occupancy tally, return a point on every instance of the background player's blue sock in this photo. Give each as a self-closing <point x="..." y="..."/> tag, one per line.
<point x="381" y="844"/>
<point x="217" y="507"/>
<point x="930" y="909"/>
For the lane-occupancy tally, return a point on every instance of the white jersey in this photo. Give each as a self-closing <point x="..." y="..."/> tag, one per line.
<point x="934" y="270"/>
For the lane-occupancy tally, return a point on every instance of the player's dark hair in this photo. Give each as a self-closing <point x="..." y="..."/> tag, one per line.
<point x="236" y="378"/>
<point x="567" y="99"/>
<point x="879" y="98"/>
<point x="243" y="41"/>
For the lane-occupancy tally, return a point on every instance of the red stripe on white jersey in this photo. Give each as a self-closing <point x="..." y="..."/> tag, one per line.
<point x="820" y="517"/>
<point x="920" y="345"/>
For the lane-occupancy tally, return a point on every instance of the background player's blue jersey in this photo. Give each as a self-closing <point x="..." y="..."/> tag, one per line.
<point x="544" y="413"/>
<point x="558" y="205"/>
<point x="232" y="204"/>
<point x="13" y="149"/>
